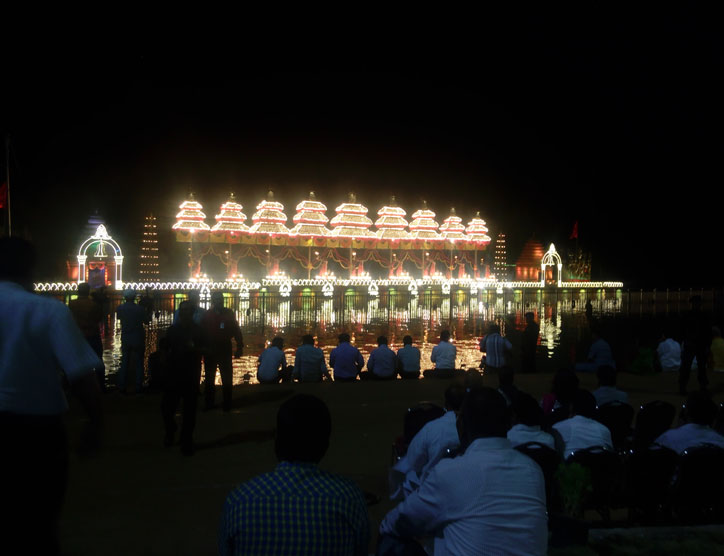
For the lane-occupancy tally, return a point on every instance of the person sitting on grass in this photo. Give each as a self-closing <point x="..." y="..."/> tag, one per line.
<point x="309" y="363"/>
<point x="346" y="360"/>
<point x="408" y="359"/>
<point x="382" y="364"/>
<point x="272" y="364"/>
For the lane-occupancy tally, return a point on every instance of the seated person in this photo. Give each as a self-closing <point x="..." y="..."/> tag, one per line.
<point x="309" y="363"/>
<point x="382" y="364"/>
<point x="497" y="349"/>
<point x="581" y="431"/>
<point x="527" y="419"/>
<point x="444" y="353"/>
<point x="297" y="505"/>
<point x="698" y="416"/>
<point x="346" y="360"/>
<point x="408" y="359"/>
<point x="599" y="354"/>
<point x="272" y="364"/>
<point x="489" y="498"/>
<point x="668" y="352"/>
<point x="607" y="391"/>
<point x="428" y="446"/>
<point x="556" y="404"/>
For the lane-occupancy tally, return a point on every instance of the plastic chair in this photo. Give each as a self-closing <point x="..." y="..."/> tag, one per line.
<point x="698" y="488"/>
<point x="548" y="460"/>
<point x="617" y="416"/>
<point x="416" y="417"/>
<point x="606" y="477"/>
<point x="649" y="474"/>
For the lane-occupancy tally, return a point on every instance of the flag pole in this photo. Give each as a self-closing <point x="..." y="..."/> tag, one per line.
<point x="7" y="183"/>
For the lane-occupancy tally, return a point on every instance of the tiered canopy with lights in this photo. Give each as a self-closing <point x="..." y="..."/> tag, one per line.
<point x="452" y="228"/>
<point x="230" y="219"/>
<point x="310" y="219"/>
<point x="391" y="223"/>
<point x="191" y="217"/>
<point x="423" y="225"/>
<point x="269" y="218"/>
<point x="477" y="230"/>
<point x="351" y="220"/>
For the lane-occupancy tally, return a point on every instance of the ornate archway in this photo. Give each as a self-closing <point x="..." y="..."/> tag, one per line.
<point x="101" y="239"/>
<point x="551" y="258"/>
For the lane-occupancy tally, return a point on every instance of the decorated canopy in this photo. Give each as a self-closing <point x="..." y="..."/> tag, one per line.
<point x="230" y="219"/>
<point x="452" y="228"/>
<point x="423" y="225"/>
<point x="269" y="218"/>
<point x="191" y="217"/>
<point x="310" y="219"/>
<point x="391" y="223"/>
<point x="351" y="220"/>
<point x="477" y="230"/>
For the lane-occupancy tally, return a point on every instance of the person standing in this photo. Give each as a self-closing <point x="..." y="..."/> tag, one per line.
<point x="133" y="339"/>
<point x="530" y="343"/>
<point x="309" y="365"/>
<point x="697" y="341"/>
<point x="382" y="363"/>
<point x="408" y="359"/>
<point x="184" y="343"/>
<point x="496" y="348"/>
<point x="346" y="360"/>
<point x="39" y="341"/>
<point x="88" y="316"/>
<point x="220" y="327"/>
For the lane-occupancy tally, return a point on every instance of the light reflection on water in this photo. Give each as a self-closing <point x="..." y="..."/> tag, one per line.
<point x="365" y="318"/>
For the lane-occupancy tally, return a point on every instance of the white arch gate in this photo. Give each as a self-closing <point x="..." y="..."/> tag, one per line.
<point x="551" y="258"/>
<point x="101" y="238"/>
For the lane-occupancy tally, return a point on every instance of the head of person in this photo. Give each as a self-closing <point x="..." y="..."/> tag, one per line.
<point x="194" y="297"/>
<point x="483" y="414"/>
<point x="382" y="340"/>
<point x="217" y="300"/>
<point x="529" y="318"/>
<point x="584" y="404"/>
<point x="454" y="396"/>
<point x="606" y="376"/>
<point x="84" y="290"/>
<point x="17" y="261"/>
<point x="343" y="337"/>
<point x="407" y="340"/>
<point x="185" y="313"/>
<point x="303" y="429"/>
<point x="527" y="411"/>
<point x="129" y="295"/>
<point x="445" y="336"/>
<point x="700" y="408"/>
<point x="308" y="340"/>
<point x="565" y="385"/>
<point x="505" y="377"/>
<point x="278" y="342"/>
<point x="493" y="328"/>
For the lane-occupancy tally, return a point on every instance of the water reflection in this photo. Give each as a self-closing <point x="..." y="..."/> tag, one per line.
<point x="364" y="317"/>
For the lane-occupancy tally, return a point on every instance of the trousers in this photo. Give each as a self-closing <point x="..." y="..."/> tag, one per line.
<point x="131" y="353"/>
<point x="701" y="352"/>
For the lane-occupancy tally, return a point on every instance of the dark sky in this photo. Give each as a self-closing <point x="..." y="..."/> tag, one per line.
<point x="614" y="124"/>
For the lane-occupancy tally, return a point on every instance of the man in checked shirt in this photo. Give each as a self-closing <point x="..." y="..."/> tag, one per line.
<point x="297" y="508"/>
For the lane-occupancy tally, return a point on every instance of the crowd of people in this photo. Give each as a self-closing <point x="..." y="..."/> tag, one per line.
<point x="502" y="503"/>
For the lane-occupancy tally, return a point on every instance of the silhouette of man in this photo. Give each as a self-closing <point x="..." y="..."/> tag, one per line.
<point x="133" y="339"/>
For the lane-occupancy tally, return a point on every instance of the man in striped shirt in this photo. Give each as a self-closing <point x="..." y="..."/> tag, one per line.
<point x="297" y="508"/>
<point x="495" y="348"/>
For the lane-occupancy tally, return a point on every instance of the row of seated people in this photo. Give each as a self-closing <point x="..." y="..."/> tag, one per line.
<point x="347" y="362"/>
<point x="649" y="471"/>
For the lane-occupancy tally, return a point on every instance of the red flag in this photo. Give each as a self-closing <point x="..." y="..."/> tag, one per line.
<point x="3" y="195"/>
<point x="574" y="233"/>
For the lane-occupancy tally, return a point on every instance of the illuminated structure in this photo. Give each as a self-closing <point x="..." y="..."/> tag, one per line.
<point x="528" y="265"/>
<point x="351" y="220"/>
<point x="551" y="258"/>
<point x="96" y="268"/>
<point x="230" y="217"/>
<point x="191" y="218"/>
<point x="148" y="265"/>
<point x="500" y="262"/>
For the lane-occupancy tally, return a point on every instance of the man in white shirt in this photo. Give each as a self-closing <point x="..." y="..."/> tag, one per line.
<point x="581" y="431"/>
<point x="39" y="340"/>
<point x="489" y="500"/>
<point x="428" y="446"/>
<point x="528" y="417"/>
<point x="444" y="353"/>
<point x="699" y="414"/>
<point x="607" y="391"/>
<point x="668" y="353"/>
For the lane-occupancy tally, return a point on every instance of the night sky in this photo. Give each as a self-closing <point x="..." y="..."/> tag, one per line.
<point x="616" y="125"/>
